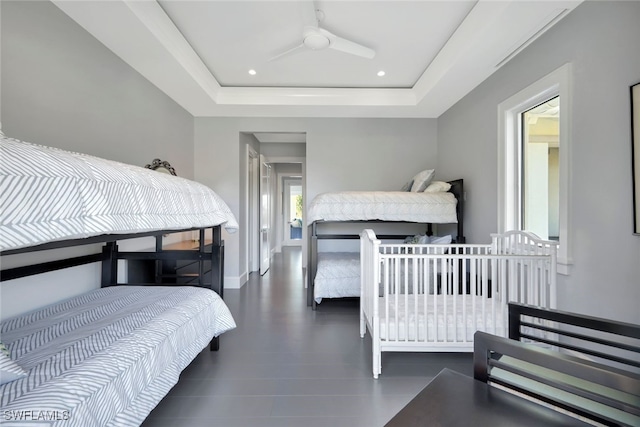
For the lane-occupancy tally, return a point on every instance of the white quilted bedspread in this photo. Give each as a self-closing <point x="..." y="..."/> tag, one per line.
<point x="437" y="208"/>
<point x="451" y="319"/>
<point x="50" y="194"/>
<point x="338" y="275"/>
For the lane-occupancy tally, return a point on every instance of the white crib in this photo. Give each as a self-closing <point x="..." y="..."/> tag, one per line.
<point x="435" y="297"/>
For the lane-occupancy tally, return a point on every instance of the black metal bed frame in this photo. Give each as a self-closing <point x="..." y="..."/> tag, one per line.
<point x="211" y="277"/>
<point x="315" y="234"/>
<point x="608" y="355"/>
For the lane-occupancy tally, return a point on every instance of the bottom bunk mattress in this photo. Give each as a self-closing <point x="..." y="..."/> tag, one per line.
<point x="337" y="275"/>
<point x="106" y="358"/>
<point x="443" y="318"/>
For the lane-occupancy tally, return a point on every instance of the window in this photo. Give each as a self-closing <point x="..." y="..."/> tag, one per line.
<point x="534" y="165"/>
<point x="539" y="179"/>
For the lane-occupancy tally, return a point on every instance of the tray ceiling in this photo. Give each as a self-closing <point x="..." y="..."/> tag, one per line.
<point x="200" y="52"/>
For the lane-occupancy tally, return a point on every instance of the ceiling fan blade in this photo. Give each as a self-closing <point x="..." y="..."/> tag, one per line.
<point x="347" y="46"/>
<point x="287" y="52"/>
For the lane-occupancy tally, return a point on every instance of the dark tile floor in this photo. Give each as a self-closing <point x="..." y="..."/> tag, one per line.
<point x="286" y="365"/>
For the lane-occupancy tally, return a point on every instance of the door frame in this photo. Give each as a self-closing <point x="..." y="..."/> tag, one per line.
<point x="303" y="162"/>
<point x="266" y="213"/>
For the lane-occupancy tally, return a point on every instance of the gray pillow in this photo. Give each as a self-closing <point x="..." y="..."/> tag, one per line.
<point x="407" y="186"/>
<point x="422" y="179"/>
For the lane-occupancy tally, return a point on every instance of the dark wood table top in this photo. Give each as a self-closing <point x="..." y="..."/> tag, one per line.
<point x="454" y="399"/>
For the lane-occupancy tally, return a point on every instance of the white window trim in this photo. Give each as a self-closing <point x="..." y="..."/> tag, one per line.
<point x="556" y="83"/>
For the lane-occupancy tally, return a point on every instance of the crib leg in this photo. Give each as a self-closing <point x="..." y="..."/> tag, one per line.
<point x="363" y="326"/>
<point x="376" y="366"/>
<point x="377" y="360"/>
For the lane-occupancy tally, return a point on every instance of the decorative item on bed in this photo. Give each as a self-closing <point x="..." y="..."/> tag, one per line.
<point x="424" y="298"/>
<point x="161" y="166"/>
<point x="106" y="357"/>
<point x="423" y="201"/>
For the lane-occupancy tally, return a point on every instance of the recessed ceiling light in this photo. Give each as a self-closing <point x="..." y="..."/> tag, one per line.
<point x="381" y="73"/>
<point x="252" y="72"/>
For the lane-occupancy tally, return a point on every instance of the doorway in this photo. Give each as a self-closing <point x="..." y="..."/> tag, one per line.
<point x="275" y="178"/>
<point x="292" y="211"/>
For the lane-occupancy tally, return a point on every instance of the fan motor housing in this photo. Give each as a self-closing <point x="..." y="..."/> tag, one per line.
<point x="316" y="41"/>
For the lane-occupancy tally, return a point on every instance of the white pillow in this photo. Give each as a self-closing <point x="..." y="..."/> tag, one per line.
<point x="437" y="187"/>
<point x="421" y="180"/>
<point x="9" y="370"/>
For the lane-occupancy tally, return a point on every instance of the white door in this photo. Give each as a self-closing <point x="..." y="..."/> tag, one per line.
<point x="253" y="228"/>
<point x="265" y="217"/>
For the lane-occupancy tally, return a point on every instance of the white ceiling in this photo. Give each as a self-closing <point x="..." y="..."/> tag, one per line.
<point x="199" y="52"/>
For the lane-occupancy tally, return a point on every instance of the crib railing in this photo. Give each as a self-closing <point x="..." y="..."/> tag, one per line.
<point x="435" y="297"/>
<point x="522" y="284"/>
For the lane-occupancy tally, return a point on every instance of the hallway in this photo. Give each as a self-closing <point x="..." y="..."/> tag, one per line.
<point x="286" y="365"/>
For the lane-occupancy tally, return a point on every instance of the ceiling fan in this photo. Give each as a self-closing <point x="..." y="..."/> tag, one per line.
<point x="315" y="37"/>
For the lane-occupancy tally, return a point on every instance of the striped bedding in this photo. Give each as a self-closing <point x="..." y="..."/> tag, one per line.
<point x="48" y="194"/>
<point x="106" y="358"/>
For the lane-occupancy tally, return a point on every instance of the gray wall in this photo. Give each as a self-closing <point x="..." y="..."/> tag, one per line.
<point x="62" y="88"/>
<point x="600" y="39"/>
<point x="283" y="149"/>
<point x="341" y="154"/>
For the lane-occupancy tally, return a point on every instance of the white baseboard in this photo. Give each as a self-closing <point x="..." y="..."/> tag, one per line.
<point x="235" y="282"/>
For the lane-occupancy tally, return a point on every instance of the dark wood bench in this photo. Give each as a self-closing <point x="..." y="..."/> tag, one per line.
<point x="572" y="370"/>
<point x="581" y="365"/>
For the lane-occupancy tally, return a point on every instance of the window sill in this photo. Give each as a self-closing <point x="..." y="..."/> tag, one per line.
<point x="564" y="267"/>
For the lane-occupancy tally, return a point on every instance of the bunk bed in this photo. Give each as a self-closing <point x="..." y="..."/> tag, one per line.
<point x="343" y="215"/>
<point x="106" y="357"/>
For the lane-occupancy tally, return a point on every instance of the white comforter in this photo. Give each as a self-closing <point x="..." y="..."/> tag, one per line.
<point x="49" y="194"/>
<point x="108" y="357"/>
<point x="338" y="275"/>
<point x="437" y="208"/>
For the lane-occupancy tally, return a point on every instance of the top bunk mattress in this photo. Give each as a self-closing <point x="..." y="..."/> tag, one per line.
<point x="48" y="194"/>
<point x="437" y="208"/>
